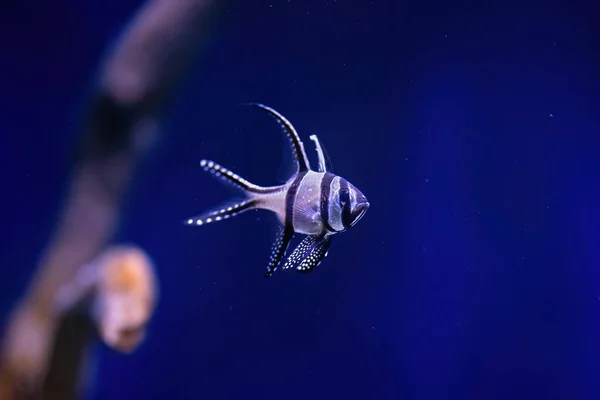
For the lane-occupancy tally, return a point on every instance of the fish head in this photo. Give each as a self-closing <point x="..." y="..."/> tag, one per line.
<point x="353" y="203"/>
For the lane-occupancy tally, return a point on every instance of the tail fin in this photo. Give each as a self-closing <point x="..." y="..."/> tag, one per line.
<point x="223" y="213"/>
<point x="233" y="179"/>
<point x="252" y="192"/>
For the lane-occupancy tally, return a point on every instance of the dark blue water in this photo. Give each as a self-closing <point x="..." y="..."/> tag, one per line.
<point x="472" y="127"/>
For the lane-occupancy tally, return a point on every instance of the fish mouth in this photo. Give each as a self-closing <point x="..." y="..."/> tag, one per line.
<point x="359" y="211"/>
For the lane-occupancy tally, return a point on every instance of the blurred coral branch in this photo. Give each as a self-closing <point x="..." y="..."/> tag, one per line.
<point x="84" y="287"/>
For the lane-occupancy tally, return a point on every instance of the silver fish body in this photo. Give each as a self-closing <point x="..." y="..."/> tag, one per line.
<point x="318" y="204"/>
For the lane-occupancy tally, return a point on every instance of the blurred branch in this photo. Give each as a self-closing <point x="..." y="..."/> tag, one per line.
<point x="81" y="287"/>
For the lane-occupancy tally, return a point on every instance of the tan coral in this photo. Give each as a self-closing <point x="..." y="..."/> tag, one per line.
<point x="45" y="342"/>
<point x="126" y="297"/>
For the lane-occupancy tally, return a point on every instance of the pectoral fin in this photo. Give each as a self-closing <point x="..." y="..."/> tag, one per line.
<point x="309" y="253"/>
<point x="282" y="241"/>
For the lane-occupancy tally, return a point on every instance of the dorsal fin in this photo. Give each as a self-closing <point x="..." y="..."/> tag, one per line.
<point x="295" y="142"/>
<point x="328" y="162"/>
<point x="320" y="154"/>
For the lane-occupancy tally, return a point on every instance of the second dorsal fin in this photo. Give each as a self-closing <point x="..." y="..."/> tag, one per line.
<point x="295" y="142"/>
<point x="320" y="153"/>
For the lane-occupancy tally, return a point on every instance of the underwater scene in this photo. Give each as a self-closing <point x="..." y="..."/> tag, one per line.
<point x="300" y="199"/>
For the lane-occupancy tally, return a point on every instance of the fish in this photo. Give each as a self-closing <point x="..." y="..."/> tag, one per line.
<point x="315" y="203"/>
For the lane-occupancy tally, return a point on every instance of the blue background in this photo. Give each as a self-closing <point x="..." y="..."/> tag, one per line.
<point x="471" y="126"/>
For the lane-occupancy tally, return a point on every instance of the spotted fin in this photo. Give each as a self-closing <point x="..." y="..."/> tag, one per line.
<point x="233" y="179"/>
<point x="295" y="142"/>
<point x="224" y="212"/>
<point x="282" y="241"/>
<point x="309" y="253"/>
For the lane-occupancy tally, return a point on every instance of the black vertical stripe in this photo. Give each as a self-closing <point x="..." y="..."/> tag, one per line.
<point x="345" y="203"/>
<point x="325" y="192"/>
<point x="290" y="199"/>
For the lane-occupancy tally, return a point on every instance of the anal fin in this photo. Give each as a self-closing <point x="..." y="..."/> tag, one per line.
<point x="309" y="253"/>
<point x="282" y="241"/>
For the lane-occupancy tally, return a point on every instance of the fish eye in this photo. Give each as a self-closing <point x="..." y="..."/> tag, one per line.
<point x="344" y="196"/>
